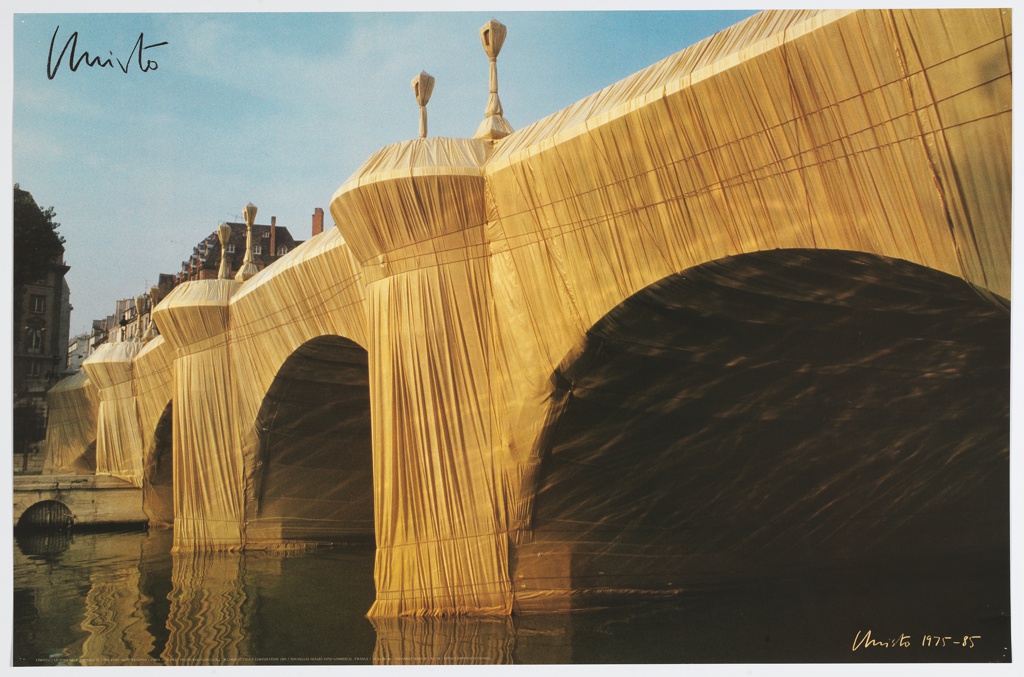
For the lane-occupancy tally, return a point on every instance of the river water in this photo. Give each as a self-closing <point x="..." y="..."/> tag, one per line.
<point x="123" y="598"/>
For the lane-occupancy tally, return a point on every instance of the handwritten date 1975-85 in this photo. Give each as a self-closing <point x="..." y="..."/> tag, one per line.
<point x="864" y="640"/>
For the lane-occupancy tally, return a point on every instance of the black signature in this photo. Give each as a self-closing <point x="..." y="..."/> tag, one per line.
<point x="75" y="60"/>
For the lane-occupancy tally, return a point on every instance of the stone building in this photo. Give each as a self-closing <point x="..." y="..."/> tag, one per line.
<point x="269" y="243"/>
<point x="78" y="350"/>
<point x="130" y="320"/>
<point x="40" y="351"/>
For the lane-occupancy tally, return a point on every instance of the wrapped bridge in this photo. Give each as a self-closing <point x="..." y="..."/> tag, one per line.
<point x="742" y="314"/>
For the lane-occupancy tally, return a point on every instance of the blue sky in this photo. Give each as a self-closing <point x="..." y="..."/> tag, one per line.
<point x="274" y="108"/>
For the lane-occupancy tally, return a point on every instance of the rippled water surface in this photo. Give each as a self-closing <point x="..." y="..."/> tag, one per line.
<point x="123" y="598"/>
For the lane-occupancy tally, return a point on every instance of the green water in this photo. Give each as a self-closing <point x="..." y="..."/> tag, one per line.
<point x="125" y="599"/>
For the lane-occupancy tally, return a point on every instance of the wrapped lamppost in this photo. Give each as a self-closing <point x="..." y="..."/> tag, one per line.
<point x="154" y="298"/>
<point x="249" y="268"/>
<point x="224" y="235"/>
<point x="423" y="86"/>
<point x="494" y="126"/>
<point x="140" y="306"/>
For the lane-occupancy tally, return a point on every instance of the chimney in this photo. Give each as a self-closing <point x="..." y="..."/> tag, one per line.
<point x="318" y="221"/>
<point x="273" y="237"/>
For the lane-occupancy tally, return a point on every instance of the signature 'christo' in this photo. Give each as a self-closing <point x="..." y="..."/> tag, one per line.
<point x="866" y="641"/>
<point x="92" y="61"/>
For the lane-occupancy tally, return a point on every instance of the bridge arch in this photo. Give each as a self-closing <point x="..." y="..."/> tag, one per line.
<point x="154" y="390"/>
<point x="46" y="514"/>
<point x="310" y="465"/>
<point x="765" y="414"/>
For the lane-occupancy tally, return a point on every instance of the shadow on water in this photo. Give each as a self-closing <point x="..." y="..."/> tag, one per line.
<point x="809" y="619"/>
<point x="125" y="599"/>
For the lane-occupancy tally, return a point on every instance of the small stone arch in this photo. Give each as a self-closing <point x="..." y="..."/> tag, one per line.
<point x="46" y="515"/>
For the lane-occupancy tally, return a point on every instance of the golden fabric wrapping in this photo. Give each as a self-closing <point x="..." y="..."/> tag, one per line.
<point x="73" y="406"/>
<point x="298" y="330"/>
<point x="154" y="382"/>
<point x="154" y="367"/>
<point x="118" y="438"/>
<point x="512" y="315"/>
<point x="207" y="468"/>
<point x="416" y="217"/>
<point x="789" y="130"/>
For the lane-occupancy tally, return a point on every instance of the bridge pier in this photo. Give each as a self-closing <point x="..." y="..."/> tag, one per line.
<point x="207" y="459"/>
<point x="442" y="545"/>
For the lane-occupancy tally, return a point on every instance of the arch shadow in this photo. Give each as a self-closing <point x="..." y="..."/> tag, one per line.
<point x="158" y="484"/>
<point x="311" y="478"/>
<point x="770" y="415"/>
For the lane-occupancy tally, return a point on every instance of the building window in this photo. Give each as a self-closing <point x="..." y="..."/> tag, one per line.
<point x="282" y="250"/>
<point x="35" y="368"/>
<point x="256" y="249"/>
<point x="38" y="303"/>
<point x="35" y="340"/>
<point x="266" y="234"/>
<point x="231" y="249"/>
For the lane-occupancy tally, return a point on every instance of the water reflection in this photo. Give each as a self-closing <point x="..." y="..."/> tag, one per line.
<point x="70" y="592"/>
<point x="125" y="599"/>
<point x="210" y="611"/>
<point x="46" y="545"/>
<point x="113" y="620"/>
<point x="444" y="641"/>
